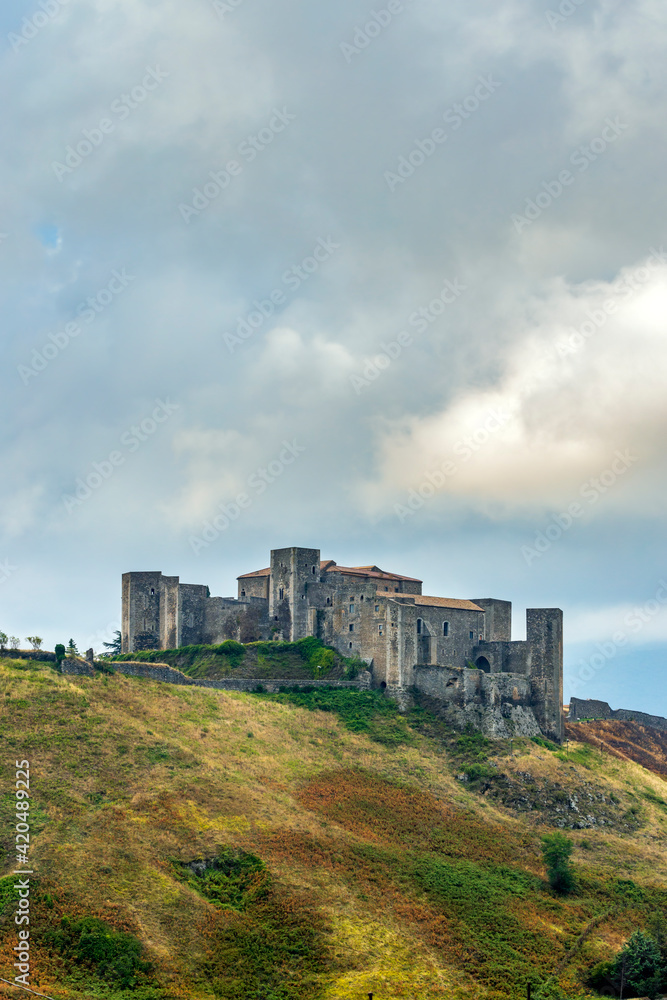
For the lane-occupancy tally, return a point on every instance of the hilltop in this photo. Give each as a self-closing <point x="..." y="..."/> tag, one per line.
<point x="317" y="844"/>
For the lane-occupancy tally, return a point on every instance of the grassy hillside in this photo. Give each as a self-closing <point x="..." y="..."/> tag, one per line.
<point x="306" y="659"/>
<point x="192" y="843"/>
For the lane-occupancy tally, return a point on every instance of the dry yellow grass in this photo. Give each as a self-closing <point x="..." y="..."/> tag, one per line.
<point x="130" y="774"/>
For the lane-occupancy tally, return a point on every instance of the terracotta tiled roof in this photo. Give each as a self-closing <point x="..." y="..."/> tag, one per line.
<point x="447" y="602"/>
<point x="372" y="571"/>
<point x="258" y="572"/>
<point x="329" y="566"/>
<point x="324" y="564"/>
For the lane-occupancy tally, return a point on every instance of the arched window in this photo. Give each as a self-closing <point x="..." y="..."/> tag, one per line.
<point x="243" y="593"/>
<point x="445" y="628"/>
<point x="313" y="569"/>
<point x="419" y="626"/>
<point x="328" y="600"/>
<point x="281" y="593"/>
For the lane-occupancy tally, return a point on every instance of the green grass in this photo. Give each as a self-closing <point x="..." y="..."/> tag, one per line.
<point x="304" y="659"/>
<point x="367" y="712"/>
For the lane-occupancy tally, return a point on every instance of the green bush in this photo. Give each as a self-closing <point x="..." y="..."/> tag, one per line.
<point x="640" y="966"/>
<point x="545" y="744"/>
<point x="113" y="955"/>
<point x="556" y="851"/>
<point x="234" y="880"/>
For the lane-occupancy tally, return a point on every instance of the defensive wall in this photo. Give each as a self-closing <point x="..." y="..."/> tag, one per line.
<point x="590" y="708"/>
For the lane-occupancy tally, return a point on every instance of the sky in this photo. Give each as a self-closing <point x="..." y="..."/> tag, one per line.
<point x="385" y="280"/>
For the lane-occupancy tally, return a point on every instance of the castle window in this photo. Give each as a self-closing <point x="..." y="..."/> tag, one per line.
<point x="350" y="645"/>
<point x="380" y="629"/>
<point x="152" y="592"/>
<point x="377" y="607"/>
<point x="395" y="590"/>
<point x="313" y="569"/>
<point x="445" y="628"/>
<point x="419" y="626"/>
<point x="328" y="600"/>
<point x="243" y="593"/>
<point x="361" y="598"/>
<point x="472" y="636"/>
<point x="281" y="593"/>
<point x="351" y="609"/>
<point x="275" y="618"/>
<point x="351" y="628"/>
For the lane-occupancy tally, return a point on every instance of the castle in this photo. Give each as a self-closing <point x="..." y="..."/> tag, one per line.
<point x="409" y="641"/>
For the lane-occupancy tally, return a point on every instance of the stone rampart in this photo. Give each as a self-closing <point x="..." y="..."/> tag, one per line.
<point x="495" y="704"/>
<point x="168" y="675"/>
<point x="591" y="708"/>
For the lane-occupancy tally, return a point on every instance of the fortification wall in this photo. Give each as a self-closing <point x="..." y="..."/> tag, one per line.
<point x="168" y="675"/>
<point x="498" y="705"/>
<point x="590" y="708"/>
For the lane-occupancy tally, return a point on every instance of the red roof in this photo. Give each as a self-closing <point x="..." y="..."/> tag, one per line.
<point x="329" y="566"/>
<point x="258" y="572"/>
<point x="373" y="571"/>
<point x="447" y="602"/>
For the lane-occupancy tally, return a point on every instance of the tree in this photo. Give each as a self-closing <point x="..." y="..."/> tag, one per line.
<point x="14" y="641"/>
<point x="639" y="964"/>
<point x="71" y="648"/>
<point x="34" y="640"/>
<point x="556" y="851"/>
<point x="60" y="653"/>
<point x="115" y="647"/>
<point x="3" y="640"/>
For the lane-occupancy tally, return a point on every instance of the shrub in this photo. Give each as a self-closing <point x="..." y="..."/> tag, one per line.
<point x="233" y="880"/>
<point x="556" y="851"/>
<point x="113" y="955"/>
<point x="60" y="653"/>
<point x="545" y="744"/>
<point x="639" y="966"/>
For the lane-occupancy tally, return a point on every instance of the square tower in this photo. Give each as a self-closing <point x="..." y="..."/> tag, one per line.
<point x="293" y="572"/>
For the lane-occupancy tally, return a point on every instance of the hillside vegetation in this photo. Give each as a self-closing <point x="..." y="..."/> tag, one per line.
<point x="193" y="843"/>
<point x="305" y="659"/>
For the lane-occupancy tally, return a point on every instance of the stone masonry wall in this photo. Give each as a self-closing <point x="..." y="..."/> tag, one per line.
<point x="589" y="708"/>
<point x="496" y="704"/>
<point x="168" y="675"/>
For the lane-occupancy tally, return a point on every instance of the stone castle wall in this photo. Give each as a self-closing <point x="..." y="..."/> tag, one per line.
<point x="361" y="612"/>
<point x="590" y="708"/>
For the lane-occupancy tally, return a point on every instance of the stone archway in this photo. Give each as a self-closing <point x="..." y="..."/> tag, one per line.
<point x="483" y="664"/>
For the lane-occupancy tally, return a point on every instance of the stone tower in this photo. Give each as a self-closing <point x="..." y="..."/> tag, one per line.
<point x="544" y="634"/>
<point x="293" y="572"/>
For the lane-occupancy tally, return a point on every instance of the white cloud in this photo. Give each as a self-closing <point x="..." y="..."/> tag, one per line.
<point x="583" y="379"/>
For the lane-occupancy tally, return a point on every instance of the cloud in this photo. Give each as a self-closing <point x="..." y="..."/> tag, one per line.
<point x="582" y="380"/>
